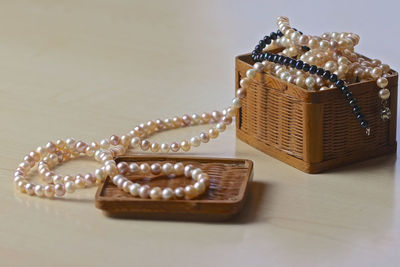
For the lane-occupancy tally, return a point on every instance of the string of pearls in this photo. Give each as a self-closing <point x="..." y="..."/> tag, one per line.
<point x="144" y="191"/>
<point x="55" y="153"/>
<point x="334" y="52"/>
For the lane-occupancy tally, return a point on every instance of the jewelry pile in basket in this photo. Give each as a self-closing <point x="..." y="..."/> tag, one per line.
<point x="319" y="63"/>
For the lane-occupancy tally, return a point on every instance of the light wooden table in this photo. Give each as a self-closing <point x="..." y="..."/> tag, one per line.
<point x="88" y="69"/>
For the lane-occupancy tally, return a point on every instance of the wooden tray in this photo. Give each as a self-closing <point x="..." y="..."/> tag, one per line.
<point x="225" y="197"/>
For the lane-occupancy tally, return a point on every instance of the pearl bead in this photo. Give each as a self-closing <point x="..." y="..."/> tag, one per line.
<point x="39" y="190"/>
<point x="79" y="183"/>
<point x="51" y="147"/>
<point x="251" y="73"/>
<point x="313" y="43"/>
<point x="310" y="82"/>
<point x="48" y="177"/>
<point x="385" y="68"/>
<point x="156" y="193"/>
<point x="303" y="40"/>
<point x="90" y="151"/>
<point x="227" y="120"/>
<point x="213" y="133"/>
<point x="58" y="179"/>
<point x="324" y="45"/>
<point x="145" y="168"/>
<point x="30" y="160"/>
<point x="186" y="119"/>
<point x="220" y="127"/>
<point x="125" y="140"/>
<point x="155" y="147"/>
<point x="300" y="81"/>
<point x="144" y="191"/>
<point x="114" y="140"/>
<point x="167" y="168"/>
<point x="134" y="189"/>
<point x="188" y="170"/>
<point x="135" y="142"/>
<point x="18" y="178"/>
<point x="196" y="119"/>
<point x="165" y="147"/>
<point x="331" y="66"/>
<point x="49" y="191"/>
<point x="195" y="141"/>
<point x="185" y="145"/>
<point x="259" y="67"/>
<point x="216" y="115"/>
<point x="70" y="187"/>
<point x="123" y="167"/>
<point x="59" y="190"/>
<point x="174" y="147"/>
<point x="120" y="182"/>
<point x="384" y="94"/>
<point x="204" y="137"/>
<point x="111" y="169"/>
<point x="35" y="156"/>
<point x="126" y="185"/>
<point x="60" y="144"/>
<point x="104" y="144"/>
<point x="382" y="82"/>
<point x="21" y="186"/>
<point x="30" y="189"/>
<point x="145" y="145"/>
<point x="200" y="187"/>
<point x="134" y="168"/>
<point x="236" y="103"/>
<point x="176" y="121"/>
<point x="195" y="173"/>
<point x="376" y="73"/>
<point x="100" y="174"/>
<point x="206" y="117"/>
<point x="241" y="93"/>
<point x="90" y="179"/>
<point x="167" y="193"/>
<point x="80" y="146"/>
<point x="179" y="168"/>
<point x="156" y="168"/>
<point x="244" y="83"/>
<point x="190" y="192"/>
<point x="179" y="192"/>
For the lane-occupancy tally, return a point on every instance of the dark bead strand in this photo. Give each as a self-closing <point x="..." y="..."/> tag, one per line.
<point x="267" y="41"/>
<point x="258" y="56"/>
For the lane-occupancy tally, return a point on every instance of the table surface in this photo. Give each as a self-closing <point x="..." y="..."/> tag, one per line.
<point x="90" y="69"/>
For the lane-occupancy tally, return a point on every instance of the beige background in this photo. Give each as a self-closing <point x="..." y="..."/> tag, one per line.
<point x="89" y="69"/>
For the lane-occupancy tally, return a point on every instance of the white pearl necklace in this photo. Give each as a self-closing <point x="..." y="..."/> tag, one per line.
<point x="48" y="156"/>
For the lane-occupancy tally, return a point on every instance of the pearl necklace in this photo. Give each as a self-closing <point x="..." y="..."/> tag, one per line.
<point x="54" y="153"/>
<point x="322" y="60"/>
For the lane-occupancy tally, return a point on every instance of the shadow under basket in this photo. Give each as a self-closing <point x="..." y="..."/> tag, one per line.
<point x="313" y="131"/>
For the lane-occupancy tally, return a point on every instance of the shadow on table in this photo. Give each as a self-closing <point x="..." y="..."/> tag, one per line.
<point x="387" y="162"/>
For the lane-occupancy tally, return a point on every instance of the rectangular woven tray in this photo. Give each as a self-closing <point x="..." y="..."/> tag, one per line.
<point x="229" y="179"/>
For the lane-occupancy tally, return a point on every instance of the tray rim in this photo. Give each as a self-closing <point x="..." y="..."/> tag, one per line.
<point x="100" y="199"/>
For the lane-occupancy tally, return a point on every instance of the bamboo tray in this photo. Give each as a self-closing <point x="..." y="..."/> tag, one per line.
<point x="229" y="179"/>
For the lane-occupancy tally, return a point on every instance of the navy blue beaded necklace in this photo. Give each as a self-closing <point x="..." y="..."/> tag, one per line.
<point x="259" y="56"/>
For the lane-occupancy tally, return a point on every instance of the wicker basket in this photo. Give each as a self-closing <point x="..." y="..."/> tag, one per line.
<point x="313" y="130"/>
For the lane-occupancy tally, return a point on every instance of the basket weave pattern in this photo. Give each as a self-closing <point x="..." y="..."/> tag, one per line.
<point x="313" y="130"/>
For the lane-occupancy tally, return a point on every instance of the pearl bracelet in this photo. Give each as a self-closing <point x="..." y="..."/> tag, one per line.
<point x="144" y="191"/>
